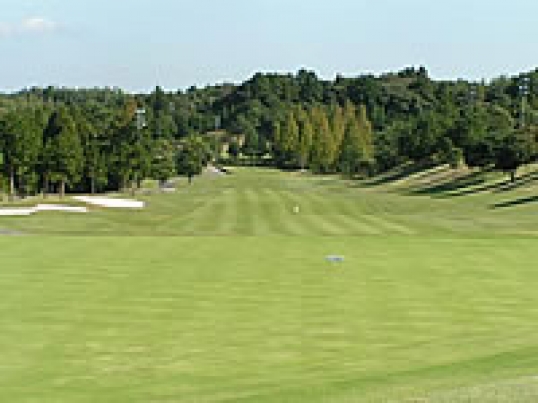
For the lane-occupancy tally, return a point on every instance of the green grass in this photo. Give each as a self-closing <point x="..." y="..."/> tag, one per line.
<point x="222" y="293"/>
<point x="261" y="202"/>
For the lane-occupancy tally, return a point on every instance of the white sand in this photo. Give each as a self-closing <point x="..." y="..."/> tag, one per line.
<point x="110" y="202"/>
<point x="27" y="211"/>
<point x="94" y="201"/>
<point x="58" y="207"/>
<point x="214" y="170"/>
<point x="11" y="212"/>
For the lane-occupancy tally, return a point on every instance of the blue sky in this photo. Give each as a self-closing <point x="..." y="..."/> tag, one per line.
<point x="137" y="44"/>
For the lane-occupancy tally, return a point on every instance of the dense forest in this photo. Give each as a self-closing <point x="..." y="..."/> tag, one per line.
<point x="93" y="140"/>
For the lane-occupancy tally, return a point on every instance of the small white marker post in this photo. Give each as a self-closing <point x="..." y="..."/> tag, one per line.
<point x="296" y="210"/>
<point x="335" y="259"/>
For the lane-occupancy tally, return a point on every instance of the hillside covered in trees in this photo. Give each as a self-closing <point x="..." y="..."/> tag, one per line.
<point x="90" y="140"/>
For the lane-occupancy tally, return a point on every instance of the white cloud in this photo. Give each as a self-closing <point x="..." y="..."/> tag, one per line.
<point x="32" y="25"/>
<point x="38" y="25"/>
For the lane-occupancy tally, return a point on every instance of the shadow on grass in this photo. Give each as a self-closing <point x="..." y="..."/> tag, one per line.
<point x="443" y="184"/>
<point x="453" y="187"/>
<point x="520" y="181"/>
<point x="462" y="185"/>
<point x="398" y="174"/>
<point x="514" y="203"/>
<point x="475" y="182"/>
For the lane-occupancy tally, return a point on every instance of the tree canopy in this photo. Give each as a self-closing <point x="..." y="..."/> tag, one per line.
<point x="52" y="139"/>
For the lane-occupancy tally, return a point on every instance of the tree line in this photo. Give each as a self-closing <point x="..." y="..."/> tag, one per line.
<point x="325" y="139"/>
<point x="58" y="139"/>
<point x="51" y="149"/>
<point x="412" y="119"/>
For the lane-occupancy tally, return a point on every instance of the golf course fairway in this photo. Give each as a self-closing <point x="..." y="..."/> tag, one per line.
<point x="221" y="292"/>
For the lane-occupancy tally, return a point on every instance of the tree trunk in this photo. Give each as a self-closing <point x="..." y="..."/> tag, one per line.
<point x="513" y="176"/>
<point x="62" y="189"/>
<point x="12" y="184"/>
<point x="45" y="186"/>
<point x="92" y="185"/>
<point x="190" y="179"/>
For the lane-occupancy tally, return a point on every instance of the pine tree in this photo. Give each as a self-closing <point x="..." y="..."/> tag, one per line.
<point x="322" y="141"/>
<point x="357" y="148"/>
<point x="338" y="128"/>
<point x="93" y="149"/>
<point x="306" y="134"/>
<point x="277" y="143"/>
<point x="132" y="148"/>
<point x="141" y="152"/>
<point x="351" y="148"/>
<point x="290" y="139"/>
<point x="21" y="143"/>
<point x="63" y="150"/>
<point x="192" y="157"/>
<point x="163" y="164"/>
<point x="251" y="146"/>
<point x="366" y="141"/>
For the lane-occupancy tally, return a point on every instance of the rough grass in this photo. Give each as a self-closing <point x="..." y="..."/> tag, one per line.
<point x="225" y="295"/>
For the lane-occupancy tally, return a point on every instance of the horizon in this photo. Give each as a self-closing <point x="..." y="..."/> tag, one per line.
<point x="188" y="214"/>
<point x="267" y="72"/>
<point x="177" y="44"/>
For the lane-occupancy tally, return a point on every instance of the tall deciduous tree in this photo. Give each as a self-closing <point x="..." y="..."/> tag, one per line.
<point x="338" y="121"/>
<point x="63" y="150"/>
<point x="512" y="151"/>
<point x="131" y="149"/>
<point x="21" y="140"/>
<point x="306" y="134"/>
<point x="192" y="157"/>
<point x="351" y="152"/>
<point x="290" y="139"/>
<point x="93" y="144"/>
<point x="322" y="148"/>
<point x="163" y="164"/>
<point x="366" y="140"/>
<point x="357" y="152"/>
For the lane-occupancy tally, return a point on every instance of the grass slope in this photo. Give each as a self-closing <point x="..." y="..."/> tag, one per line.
<point x="261" y="202"/>
<point x="436" y="300"/>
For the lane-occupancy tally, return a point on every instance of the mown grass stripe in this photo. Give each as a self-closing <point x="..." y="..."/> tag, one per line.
<point x="226" y="221"/>
<point x="388" y="225"/>
<point x="245" y="213"/>
<point x="355" y="226"/>
<point x="323" y="212"/>
<point x="310" y="222"/>
<point x="208" y="218"/>
<point x="281" y="217"/>
<point x="198" y="218"/>
<point x="352" y="212"/>
<point x="271" y="213"/>
<point x="261" y="226"/>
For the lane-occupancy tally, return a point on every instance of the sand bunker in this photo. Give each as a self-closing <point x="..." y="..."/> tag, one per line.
<point x="215" y="171"/>
<point x="26" y="211"/>
<point x="91" y="200"/>
<point x="110" y="202"/>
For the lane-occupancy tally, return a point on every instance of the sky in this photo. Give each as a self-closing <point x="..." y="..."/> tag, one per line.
<point x="138" y="44"/>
